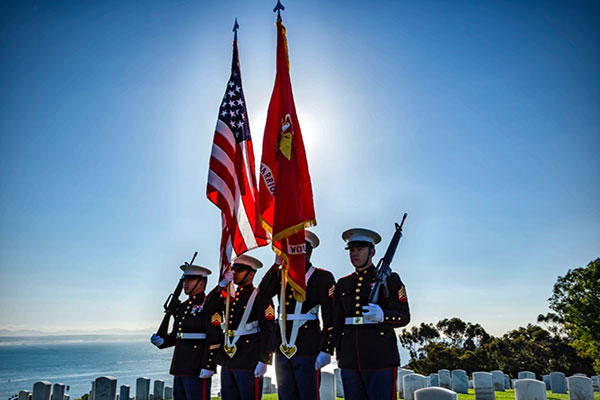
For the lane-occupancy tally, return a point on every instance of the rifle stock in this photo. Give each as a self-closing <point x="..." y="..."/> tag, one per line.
<point x="383" y="269"/>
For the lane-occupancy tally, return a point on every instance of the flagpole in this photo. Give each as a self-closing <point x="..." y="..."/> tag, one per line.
<point x="283" y="319"/>
<point x="227" y="306"/>
<point x="229" y="286"/>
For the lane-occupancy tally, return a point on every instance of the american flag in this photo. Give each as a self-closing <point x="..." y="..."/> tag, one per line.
<point x="231" y="177"/>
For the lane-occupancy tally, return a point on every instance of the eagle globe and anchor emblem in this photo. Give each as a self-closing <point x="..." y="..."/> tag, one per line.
<point x="284" y="140"/>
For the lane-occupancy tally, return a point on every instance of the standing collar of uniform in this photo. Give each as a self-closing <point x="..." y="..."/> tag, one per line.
<point x="197" y="298"/>
<point x="247" y="287"/>
<point x="366" y="271"/>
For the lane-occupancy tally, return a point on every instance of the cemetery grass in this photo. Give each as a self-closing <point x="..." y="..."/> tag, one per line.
<point x="507" y="395"/>
<point x="510" y="395"/>
<point x="274" y="397"/>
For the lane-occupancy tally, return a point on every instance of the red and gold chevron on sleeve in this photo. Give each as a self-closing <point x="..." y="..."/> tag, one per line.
<point x="216" y="319"/>
<point x="270" y="313"/>
<point x="402" y="295"/>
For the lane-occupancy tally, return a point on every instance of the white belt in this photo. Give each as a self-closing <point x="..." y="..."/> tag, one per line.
<point x="303" y="317"/>
<point x="182" y="335"/>
<point x="251" y="327"/>
<point x="358" y="321"/>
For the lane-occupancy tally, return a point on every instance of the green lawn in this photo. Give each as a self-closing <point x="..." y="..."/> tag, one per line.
<point x="510" y="395"/>
<point x="507" y="395"/>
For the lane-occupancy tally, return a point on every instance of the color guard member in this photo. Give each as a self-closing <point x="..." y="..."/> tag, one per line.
<point x="244" y="349"/>
<point x="306" y="347"/>
<point x="366" y="344"/>
<point x="193" y="363"/>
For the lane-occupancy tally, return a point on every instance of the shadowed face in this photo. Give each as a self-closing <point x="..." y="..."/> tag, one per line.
<point x="242" y="274"/>
<point x="194" y="285"/>
<point x="361" y="256"/>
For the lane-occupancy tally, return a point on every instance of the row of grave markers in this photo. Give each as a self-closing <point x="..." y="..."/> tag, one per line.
<point x="485" y="384"/>
<point x="443" y="385"/>
<point x="105" y="388"/>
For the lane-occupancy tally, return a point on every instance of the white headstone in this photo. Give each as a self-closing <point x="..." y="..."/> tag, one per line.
<point x="506" y="382"/>
<point x="580" y="374"/>
<point x="267" y="385"/>
<point x="595" y="383"/>
<point x="435" y="380"/>
<point x="470" y="383"/>
<point x="546" y="379"/>
<point x="558" y="382"/>
<point x="327" y="389"/>
<point x="339" y="387"/>
<point x="435" y="393"/>
<point x="411" y="383"/>
<point x="526" y="375"/>
<point x="460" y="381"/>
<point x="42" y="390"/>
<point x="580" y="388"/>
<point x="142" y="389"/>
<point x="498" y="380"/>
<point x="124" y="392"/>
<point x="400" y="374"/>
<point x="24" y="395"/>
<point x="66" y="397"/>
<point x="58" y="391"/>
<point x="444" y="378"/>
<point x="529" y="389"/>
<point x="159" y="390"/>
<point x="105" y="388"/>
<point x="483" y="385"/>
<point x="168" y="393"/>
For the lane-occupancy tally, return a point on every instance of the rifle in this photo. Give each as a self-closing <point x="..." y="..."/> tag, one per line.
<point x="383" y="269"/>
<point x="171" y="305"/>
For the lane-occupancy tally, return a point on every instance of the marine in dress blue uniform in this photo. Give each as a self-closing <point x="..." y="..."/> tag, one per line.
<point x="244" y="348"/>
<point x="366" y="345"/>
<point x="298" y="372"/>
<point x="193" y="363"/>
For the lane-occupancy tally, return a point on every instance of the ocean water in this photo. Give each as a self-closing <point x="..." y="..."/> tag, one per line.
<point x="77" y="360"/>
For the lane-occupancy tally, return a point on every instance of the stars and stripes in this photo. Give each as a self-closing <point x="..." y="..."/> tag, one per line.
<point x="231" y="177"/>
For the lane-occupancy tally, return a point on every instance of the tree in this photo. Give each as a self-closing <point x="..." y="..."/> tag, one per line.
<point x="451" y="343"/>
<point x="576" y="302"/>
<point x="417" y="337"/>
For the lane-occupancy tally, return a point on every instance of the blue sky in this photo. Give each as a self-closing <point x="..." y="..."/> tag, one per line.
<point x="479" y="119"/>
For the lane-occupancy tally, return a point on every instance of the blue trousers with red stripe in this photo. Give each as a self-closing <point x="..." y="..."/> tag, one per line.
<point x="379" y="384"/>
<point x="297" y="378"/>
<point x="240" y="384"/>
<point x="191" y="388"/>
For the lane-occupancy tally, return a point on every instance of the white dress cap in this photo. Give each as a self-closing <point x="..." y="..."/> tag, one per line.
<point x="312" y="239"/>
<point x="194" y="270"/>
<point x="360" y="236"/>
<point x="249" y="261"/>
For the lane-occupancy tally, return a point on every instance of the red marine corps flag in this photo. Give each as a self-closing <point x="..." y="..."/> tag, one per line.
<point x="285" y="192"/>
<point x="231" y="175"/>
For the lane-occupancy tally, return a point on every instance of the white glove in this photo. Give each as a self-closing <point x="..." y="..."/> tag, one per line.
<point x="322" y="360"/>
<point x="227" y="278"/>
<point x="156" y="340"/>
<point x="206" y="373"/>
<point x="373" y="312"/>
<point x="260" y="369"/>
